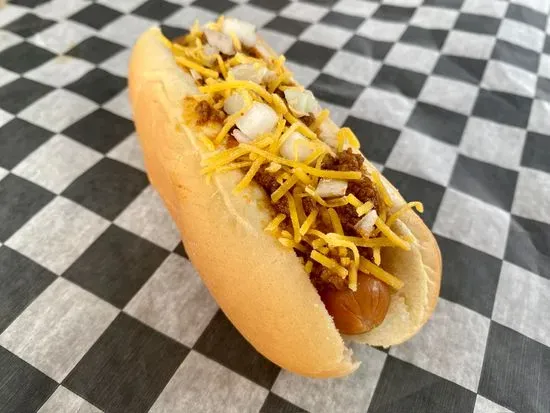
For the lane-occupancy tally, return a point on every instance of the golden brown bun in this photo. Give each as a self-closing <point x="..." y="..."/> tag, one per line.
<point x="260" y="285"/>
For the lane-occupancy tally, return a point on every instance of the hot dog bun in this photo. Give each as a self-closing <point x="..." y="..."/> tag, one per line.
<point x="261" y="286"/>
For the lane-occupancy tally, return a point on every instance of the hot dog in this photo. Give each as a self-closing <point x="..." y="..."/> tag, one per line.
<point x="300" y="240"/>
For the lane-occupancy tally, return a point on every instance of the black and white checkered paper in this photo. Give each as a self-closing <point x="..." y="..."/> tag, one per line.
<point x="101" y="311"/>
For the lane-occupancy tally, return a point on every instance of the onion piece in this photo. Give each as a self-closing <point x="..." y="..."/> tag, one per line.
<point x="328" y="188"/>
<point x="301" y="102"/>
<point x="241" y="137"/>
<point x="328" y="132"/>
<point x="246" y="32"/>
<point x="264" y="52"/>
<point x="233" y="103"/>
<point x="259" y="119"/>
<point x="297" y="147"/>
<point x="220" y="41"/>
<point x="196" y="75"/>
<point x="251" y="72"/>
<point x="366" y="225"/>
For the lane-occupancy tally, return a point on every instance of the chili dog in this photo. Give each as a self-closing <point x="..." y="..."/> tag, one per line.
<point x="300" y="240"/>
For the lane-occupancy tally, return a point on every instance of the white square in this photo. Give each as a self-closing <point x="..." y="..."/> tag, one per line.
<point x="5" y="117"/>
<point x="278" y="41"/>
<point x="352" y="67"/>
<point x="126" y="29"/>
<point x="57" y="163"/>
<point x="491" y="8"/>
<point x="60" y="71"/>
<point x="3" y="173"/>
<point x="10" y="12"/>
<point x="255" y="15"/>
<point x="434" y="17"/>
<point x="303" y="74"/>
<point x="538" y="5"/>
<point x="174" y="301"/>
<point x="521" y="34"/>
<point x="493" y="142"/>
<point x="521" y="296"/>
<point x="120" y="105"/>
<point x="484" y="405"/>
<point x="58" y="234"/>
<point x="61" y="36"/>
<point x="325" y="35"/>
<point x="201" y="385"/>
<point x="8" y="39"/>
<point x="129" y="152"/>
<point x="461" y="336"/>
<point x="148" y="217"/>
<point x="473" y="45"/>
<point x="449" y="94"/>
<point x="60" y="9"/>
<point x="65" y="401"/>
<point x="333" y="395"/>
<point x="338" y="114"/>
<point x="57" y="110"/>
<point x="383" y="107"/>
<point x="124" y="6"/>
<point x="56" y="329"/>
<point x="504" y="77"/>
<point x="473" y="222"/>
<point x="304" y="11"/>
<point x="532" y="197"/>
<point x="404" y="3"/>
<point x="355" y="8"/>
<point x="539" y="120"/>
<point x="544" y="65"/>
<point x="6" y="76"/>
<point x="186" y="17"/>
<point x="423" y="156"/>
<point x="416" y="58"/>
<point x="118" y="64"/>
<point x="382" y="30"/>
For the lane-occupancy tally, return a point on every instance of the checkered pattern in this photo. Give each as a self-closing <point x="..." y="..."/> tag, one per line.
<point x="100" y="310"/>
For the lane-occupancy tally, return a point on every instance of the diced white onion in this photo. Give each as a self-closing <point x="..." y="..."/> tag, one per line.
<point x="196" y="75"/>
<point x="331" y="187"/>
<point x="263" y="51"/>
<point x="220" y="41"/>
<point x="328" y="132"/>
<point x="246" y="32"/>
<point x="297" y="147"/>
<point x="233" y="103"/>
<point x="259" y="119"/>
<point x="251" y="72"/>
<point x="366" y="224"/>
<point x="241" y="137"/>
<point x="301" y="102"/>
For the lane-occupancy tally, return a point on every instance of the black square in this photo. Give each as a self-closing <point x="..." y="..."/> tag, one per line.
<point x="98" y="85"/>
<point x="223" y="343"/>
<point x="334" y="90"/>
<point x="543" y="89"/>
<point x="404" y="388"/>
<point x="418" y="189"/>
<point x="276" y="404"/>
<point x="401" y="81"/>
<point x="377" y="141"/>
<point x="309" y="54"/>
<point x="20" y="93"/>
<point x="116" y="265"/>
<point x="28" y="3"/>
<point x="470" y="276"/>
<point x="516" y="371"/>
<point x="526" y="15"/>
<point x="374" y="49"/>
<point x="461" y="68"/>
<point x="156" y="9"/>
<point x="485" y="181"/>
<point x="429" y="38"/>
<point x="285" y="25"/>
<point x="516" y="55"/>
<point x="107" y="188"/>
<point x="219" y="6"/>
<point x="19" y="201"/>
<point x="180" y="250"/>
<point x="451" y="4"/>
<point x="24" y="388"/>
<point x="95" y="15"/>
<point x="101" y="130"/>
<point x="343" y="20"/>
<point x="438" y="123"/>
<point x="23" y="57"/>
<point x="28" y="25"/>
<point x="475" y="23"/>
<point x="127" y="368"/>
<point x="503" y="107"/>
<point x="274" y="5"/>
<point x="172" y="32"/>
<point x="536" y="150"/>
<point x="21" y="281"/>
<point x="394" y="13"/>
<point x="547" y="45"/>
<point x="95" y="50"/>
<point x="18" y="139"/>
<point x="529" y="245"/>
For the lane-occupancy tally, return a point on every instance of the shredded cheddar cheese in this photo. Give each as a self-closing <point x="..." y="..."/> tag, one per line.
<point x="198" y="68"/>
<point x="395" y="216"/>
<point x="384" y="276"/>
<point x="274" y="224"/>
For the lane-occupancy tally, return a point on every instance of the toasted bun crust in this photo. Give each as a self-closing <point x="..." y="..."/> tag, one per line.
<point x="261" y="286"/>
